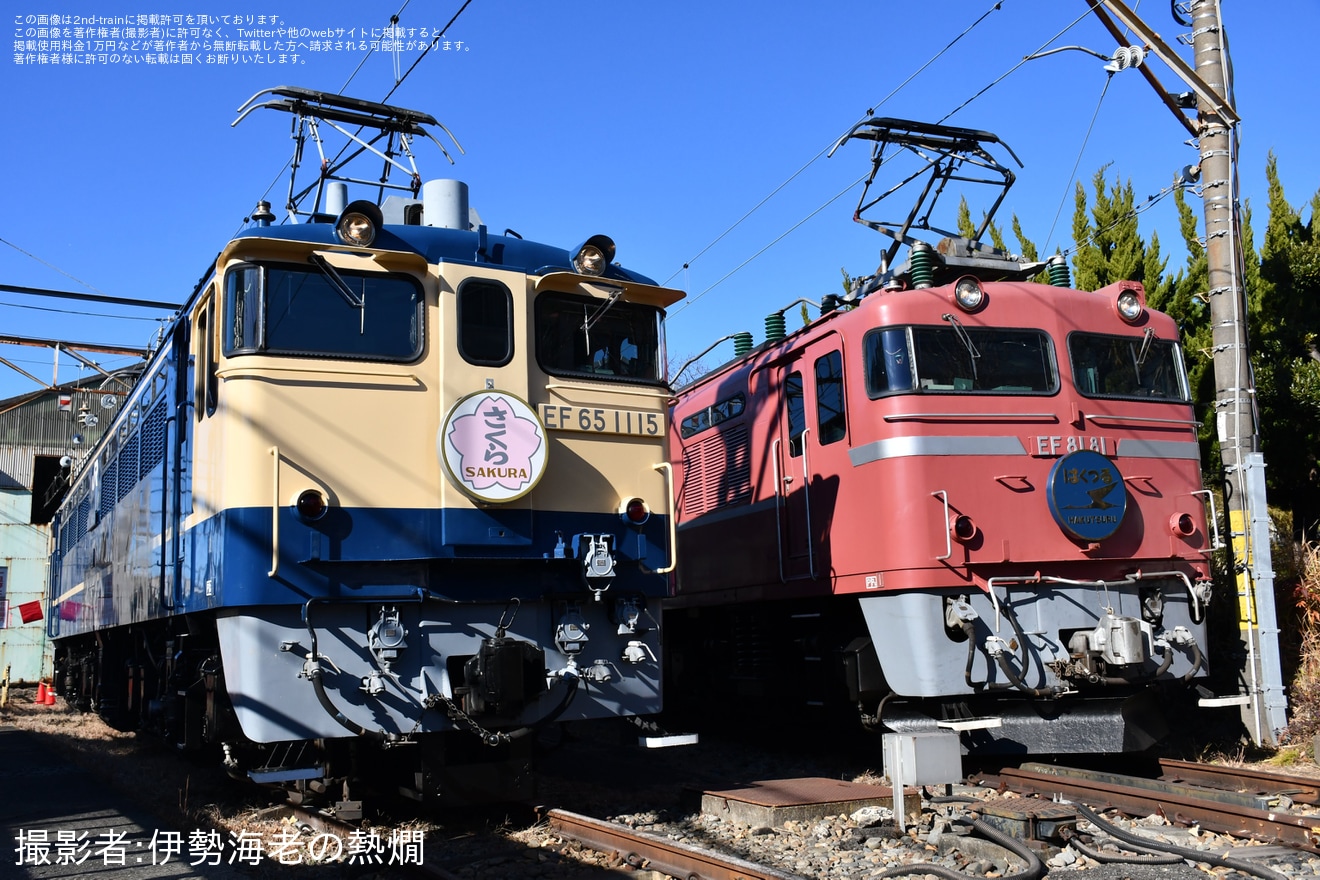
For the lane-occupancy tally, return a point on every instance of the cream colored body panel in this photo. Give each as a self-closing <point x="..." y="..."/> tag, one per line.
<point x="316" y="414"/>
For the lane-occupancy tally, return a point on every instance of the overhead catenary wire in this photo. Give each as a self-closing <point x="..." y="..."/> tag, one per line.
<point x="1078" y="161"/>
<point x="1063" y="198"/>
<point x="869" y="112"/>
<point x="691" y="299"/>
<point x="50" y="265"/>
<point x="39" y="292"/>
<point x="1006" y="74"/>
<point x="394" y="20"/>
<point x="434" y="42"/>
<point x="1149" y="203"/>
<point x="128" y="361"/>
<point x="83" y="314"/>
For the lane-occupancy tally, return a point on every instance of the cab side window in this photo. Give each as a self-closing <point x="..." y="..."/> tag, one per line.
<point x="795" y="401"/>
<point x="829" y="398"/>
<point x="485" y="323"/>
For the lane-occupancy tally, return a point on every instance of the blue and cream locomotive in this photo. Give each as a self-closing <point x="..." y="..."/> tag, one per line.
<point x="390" y="477"/>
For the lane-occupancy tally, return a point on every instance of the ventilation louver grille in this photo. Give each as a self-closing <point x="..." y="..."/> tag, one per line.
<point x="717" y="472"/>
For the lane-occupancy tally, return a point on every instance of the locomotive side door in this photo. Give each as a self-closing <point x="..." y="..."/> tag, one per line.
<point x="793" y="475"/>
<point x="810" y="417"/>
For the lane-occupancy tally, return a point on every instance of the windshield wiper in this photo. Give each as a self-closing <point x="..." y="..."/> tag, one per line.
<point x="588" y="323"/>
<point x="1145" y="346"/>
<point x="965" y="339"/>
<point x="337" y="281"/>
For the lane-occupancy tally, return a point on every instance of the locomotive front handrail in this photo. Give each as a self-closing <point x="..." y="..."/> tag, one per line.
<point x="806" y="499"/>
<point x="275" y="515"/>
<point x="1099" y="420"/>
<point x="673" y="517"/>
<point x="1218" y="542"/>
<point x="948" y="538"/>
<point x="779" y="529"/>
<point x="256" y="373"/>
<point x="657" y="394"/>
<point x="912" y="417"/>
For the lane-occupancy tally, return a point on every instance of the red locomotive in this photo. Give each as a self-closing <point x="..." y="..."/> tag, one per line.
<point x="957" y="498"/>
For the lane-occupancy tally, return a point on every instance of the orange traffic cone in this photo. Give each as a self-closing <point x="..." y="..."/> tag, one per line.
<point x="50" y="695"/>
<point x="41" y="694"/>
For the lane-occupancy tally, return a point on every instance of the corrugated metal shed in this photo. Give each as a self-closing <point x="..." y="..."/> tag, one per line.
<point x="36" y="430"/>
<point x="38" y="424"/>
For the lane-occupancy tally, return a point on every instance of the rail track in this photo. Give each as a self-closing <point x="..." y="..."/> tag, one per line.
<point x="635" y="849"/>
<point x="639" y="849"/>
<point x="1270" y="807"/>
<point x="1297" y="789"/>
<point x="1232" y="801"/>
<point x="1227" y="800"/>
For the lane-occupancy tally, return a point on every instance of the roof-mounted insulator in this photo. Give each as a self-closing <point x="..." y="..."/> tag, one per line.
<point x="1058" y="269"/>
<point x="922" y="258"/>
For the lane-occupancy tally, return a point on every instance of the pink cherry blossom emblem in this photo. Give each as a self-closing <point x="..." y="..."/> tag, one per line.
<point x="495" y="446"/>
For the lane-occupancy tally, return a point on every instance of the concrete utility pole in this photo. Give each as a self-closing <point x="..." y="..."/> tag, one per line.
<point x="1235" y="421"/>
<point x="1264" y="706"/>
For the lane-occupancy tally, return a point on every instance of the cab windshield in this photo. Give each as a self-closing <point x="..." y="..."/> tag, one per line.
<point x="1141" y="367"/>
<point x="614" y="340"/>
<point x="289" y="309"/>
<point x="956" y="359"/>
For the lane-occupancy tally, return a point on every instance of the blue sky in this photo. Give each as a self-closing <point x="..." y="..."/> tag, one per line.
<point x="659" y="124"/>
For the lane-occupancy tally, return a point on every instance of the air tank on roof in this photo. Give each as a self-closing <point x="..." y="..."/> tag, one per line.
<point x="445" y="204"/>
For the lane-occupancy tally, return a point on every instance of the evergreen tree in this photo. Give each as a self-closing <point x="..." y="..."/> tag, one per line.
<point x="1029" y="251"/>
<point x="965" y="227"/>
<point x="1111" y="249"/>
<point x="1285" y="312"/>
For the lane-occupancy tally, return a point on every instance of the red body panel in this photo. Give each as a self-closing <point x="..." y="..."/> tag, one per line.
<point x="852" y="521"/>
<point x="880" y="524"/>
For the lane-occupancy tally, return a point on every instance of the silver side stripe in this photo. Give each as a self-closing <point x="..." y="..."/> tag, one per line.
<point x="1189" y="450"/>
<point x="901" y="447"/>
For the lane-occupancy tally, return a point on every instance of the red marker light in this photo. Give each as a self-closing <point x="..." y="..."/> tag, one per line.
<point x="311" y="505"/>
<point x="1182" y="524"/>
<point x="635" y="511"/>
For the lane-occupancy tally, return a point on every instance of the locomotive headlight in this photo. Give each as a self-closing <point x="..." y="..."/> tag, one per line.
<point x="356" y="229"/>
<point x="634" y="511"/>
<point x="1182" y="525"/>
<point x="1129" y="306"/>
<point x="359" y="224"/>
<point x="968" y="294"/>
<point x="311" y="505"/>
<point x="594" y="255"/>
